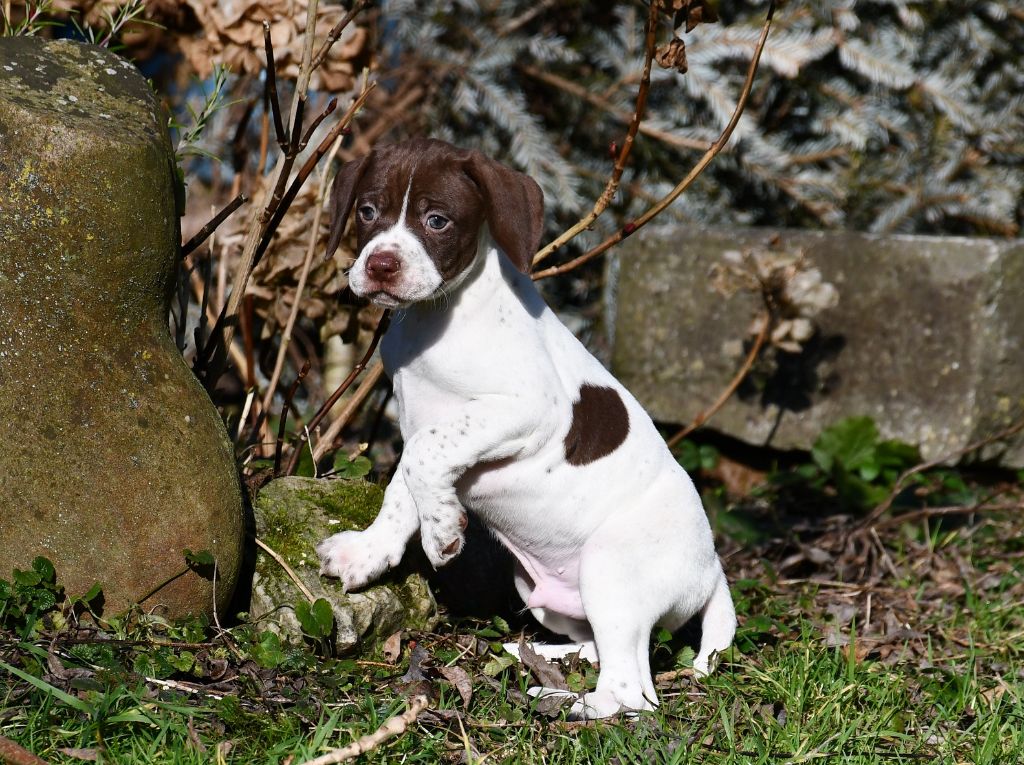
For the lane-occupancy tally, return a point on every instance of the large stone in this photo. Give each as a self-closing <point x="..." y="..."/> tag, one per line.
<point x="114" y="459"/>
<point x="927" y="337"/>
<point x="295" y="514"/>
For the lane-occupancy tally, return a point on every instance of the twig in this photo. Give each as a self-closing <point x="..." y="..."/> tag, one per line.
<point x="258" y="237"/>
<point x="335" y="33"/>
<point x="726" y="394"/>
<point x="14" y="754"/>
<point x="901" y="482"/>
<point x="271" y="91"/>
<point x="328" y="111"/>
<point x="204" y="233"/>
<point x="612" y="186"/>
<point x="579" y="91"/>
<point x="300" y="288"/>
<point x="365" y="387"/>
<point x="288" y="398"/>
<point x="287" y="569"/>
<point x="333" y="399"/>
<point x="393" y="726"/>
<point x="683" y="185"/>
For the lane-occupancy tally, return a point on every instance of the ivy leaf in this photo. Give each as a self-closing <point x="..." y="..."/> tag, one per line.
<point x="316" y="618"/>
<point x="355" y="468"/>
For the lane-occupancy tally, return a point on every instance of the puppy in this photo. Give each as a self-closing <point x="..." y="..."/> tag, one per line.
<point x="506" y="415"/>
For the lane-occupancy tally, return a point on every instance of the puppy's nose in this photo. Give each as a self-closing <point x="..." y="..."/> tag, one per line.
<point x="382" y="265"/>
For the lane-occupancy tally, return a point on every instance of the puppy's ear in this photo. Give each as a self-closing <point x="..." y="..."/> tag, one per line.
<point x="514" y="206"/>
<point x="343" y="195"/>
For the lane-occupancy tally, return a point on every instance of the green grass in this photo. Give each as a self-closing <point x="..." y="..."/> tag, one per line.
<point x="931" y="675"/>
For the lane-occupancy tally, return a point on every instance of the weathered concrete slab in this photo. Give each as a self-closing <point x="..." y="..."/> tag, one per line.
<point x="927" y="337"/>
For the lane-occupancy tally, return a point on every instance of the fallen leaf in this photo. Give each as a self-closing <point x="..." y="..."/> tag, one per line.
<point x="547" y="674"/>
<point x="88" y="755"/>
<point x="462" y="682"/>
<point x="392" y="648"/>
<point x="415" y="672"/>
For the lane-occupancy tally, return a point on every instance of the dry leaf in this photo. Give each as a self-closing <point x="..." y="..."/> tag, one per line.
<point x="672" y="55"/>
<point x="547" y="674"/>
<point x="462" y="682"/>
<point x="392" y="648"/>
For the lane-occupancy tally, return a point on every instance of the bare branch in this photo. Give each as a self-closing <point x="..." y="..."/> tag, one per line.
<point x="683" y="185"/>
<point x="204" y="233"/>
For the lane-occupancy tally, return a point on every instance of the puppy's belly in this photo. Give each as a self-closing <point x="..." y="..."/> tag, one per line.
<point x="555" y="582"/>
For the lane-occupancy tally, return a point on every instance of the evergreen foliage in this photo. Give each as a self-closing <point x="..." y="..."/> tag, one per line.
<point x="881" y="115"/>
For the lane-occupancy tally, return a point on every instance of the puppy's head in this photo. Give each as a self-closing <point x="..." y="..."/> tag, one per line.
<point x="420" y="207"/>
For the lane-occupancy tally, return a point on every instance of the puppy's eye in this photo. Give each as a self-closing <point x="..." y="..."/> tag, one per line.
<point x="437" y="222"/>
<point x="367" y="213"/>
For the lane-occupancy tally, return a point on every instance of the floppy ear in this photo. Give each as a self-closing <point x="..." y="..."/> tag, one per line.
<point x="343" y="194"/>
<point x="514" y="206"/>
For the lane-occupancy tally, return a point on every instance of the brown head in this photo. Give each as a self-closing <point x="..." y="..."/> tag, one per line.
<point x="420" y="207"/>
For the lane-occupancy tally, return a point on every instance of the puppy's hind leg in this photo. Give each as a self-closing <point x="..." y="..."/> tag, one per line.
<point x="718" y="626"/>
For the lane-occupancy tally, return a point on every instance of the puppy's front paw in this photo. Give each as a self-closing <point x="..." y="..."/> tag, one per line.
<point x="443" y="535"/>
<point x="354" y="558"/>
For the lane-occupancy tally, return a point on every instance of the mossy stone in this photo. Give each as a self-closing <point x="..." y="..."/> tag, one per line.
<point x="295" y="514"/>
<point x="115" y="460"/>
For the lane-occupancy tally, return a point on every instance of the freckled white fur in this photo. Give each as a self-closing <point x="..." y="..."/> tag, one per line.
<point x="485" y="381"/>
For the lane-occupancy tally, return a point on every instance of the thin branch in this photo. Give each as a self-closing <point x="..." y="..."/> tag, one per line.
<point x="288" y="398"/>
<point x="14" y="754"/>
<point x="336" y="30"/>
<point x="726" y="394"/>
<point x="683" y="185"/>
<point x="650" y="39"/>
<point x="287" y="569"/>
<point x="351" y="407"/>
<point x="271" y="89"/>
<point x="328" y="110"/>
<point x="901" y="483"/>
<point x="393" y="726"/>
<point x="262" y="226"/>
<point x="204" y="233"/>
<point x="382" y="326"/>
<point x="300" y="288"/>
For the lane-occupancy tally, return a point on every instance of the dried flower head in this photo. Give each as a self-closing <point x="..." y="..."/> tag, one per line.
<point x="793" y="290"/>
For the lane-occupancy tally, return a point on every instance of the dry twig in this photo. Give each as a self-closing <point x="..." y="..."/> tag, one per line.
<point x="393" y="726"/>
<point x="684" y="184"/>
<point x="707" y="414"/>
<point x="287" y="569"/>
<point x="871" y="519"/>
<point x="612" y="186"/>
<point x="382" y="325"/>
<point x="14" y="754"/>
<point x="365" y="387"/>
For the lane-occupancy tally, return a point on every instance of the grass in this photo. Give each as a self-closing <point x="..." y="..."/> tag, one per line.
<point x="929" y="672"/>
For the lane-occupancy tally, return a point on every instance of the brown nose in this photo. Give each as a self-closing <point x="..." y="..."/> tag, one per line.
<point x="382" y="265"/>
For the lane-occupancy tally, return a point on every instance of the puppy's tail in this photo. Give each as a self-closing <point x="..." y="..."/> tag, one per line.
<point x="718" y="626"/>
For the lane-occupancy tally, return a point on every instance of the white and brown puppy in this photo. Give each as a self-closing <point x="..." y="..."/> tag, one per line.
<point x="506" y="415"/>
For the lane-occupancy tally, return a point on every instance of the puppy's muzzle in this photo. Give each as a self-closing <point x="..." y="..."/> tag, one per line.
<point x="383" y="267"/>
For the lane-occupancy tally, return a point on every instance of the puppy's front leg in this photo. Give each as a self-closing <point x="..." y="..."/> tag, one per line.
<point x="359" y="557"/>
<point x="437" y="455"/>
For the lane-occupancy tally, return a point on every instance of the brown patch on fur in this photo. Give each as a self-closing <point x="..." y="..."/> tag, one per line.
<point x="600" y="423"/>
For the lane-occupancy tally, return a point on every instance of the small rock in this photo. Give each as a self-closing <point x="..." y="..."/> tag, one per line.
<point x="293" y="515"/>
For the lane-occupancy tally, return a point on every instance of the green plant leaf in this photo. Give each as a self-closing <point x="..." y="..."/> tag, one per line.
<point x="851" y="443"/>
<point x="316" y="618"/>
<point x="355" y="468"/>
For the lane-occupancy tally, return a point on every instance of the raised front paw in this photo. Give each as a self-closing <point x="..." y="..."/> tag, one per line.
<point x="354" y="557"/>
<point x="443" y="535"/>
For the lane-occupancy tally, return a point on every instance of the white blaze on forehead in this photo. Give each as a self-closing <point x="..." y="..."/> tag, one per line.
<point x="418" y="277"/>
